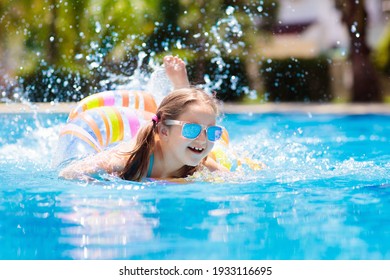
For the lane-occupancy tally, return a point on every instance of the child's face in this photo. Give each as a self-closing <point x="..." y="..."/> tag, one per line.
<point x="192" y="151"/>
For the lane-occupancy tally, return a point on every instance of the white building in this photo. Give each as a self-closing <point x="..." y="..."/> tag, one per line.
<point x="309" y="27"/>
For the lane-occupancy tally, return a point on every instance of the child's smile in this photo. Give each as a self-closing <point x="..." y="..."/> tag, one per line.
<point x="196" y="150"/>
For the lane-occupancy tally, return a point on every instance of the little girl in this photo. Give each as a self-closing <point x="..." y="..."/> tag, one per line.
<point x="174" y="144"/>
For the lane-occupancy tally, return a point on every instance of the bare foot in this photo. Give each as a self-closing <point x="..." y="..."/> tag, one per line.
<point x="176" y="71"/>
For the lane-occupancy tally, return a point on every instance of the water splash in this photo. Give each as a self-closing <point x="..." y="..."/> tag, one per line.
<point x="159" y="84"/>
<point x="97" y="67"/>
<point x="292" y="156"/>
<point x="223" y="38"/>
<point x="30" y="144"/>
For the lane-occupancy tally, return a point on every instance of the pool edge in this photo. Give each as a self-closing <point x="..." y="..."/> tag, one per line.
<point x="371" y="108"/>
<point x="314" y="108"/>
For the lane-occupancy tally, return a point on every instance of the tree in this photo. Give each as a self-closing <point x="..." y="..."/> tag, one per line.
<point x="365" y="86"/>
<point x="61" y="50"/>
<point x="220" y="40"/>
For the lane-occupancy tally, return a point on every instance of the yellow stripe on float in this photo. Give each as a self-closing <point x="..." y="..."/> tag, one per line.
<point x="121" y="127"/>
<point x="94" y="101"/>
<point x="114" y="121"/>
<point x="225" y="137"/>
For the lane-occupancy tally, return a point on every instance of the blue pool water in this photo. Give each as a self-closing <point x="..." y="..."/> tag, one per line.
<point x="325" y="194"/>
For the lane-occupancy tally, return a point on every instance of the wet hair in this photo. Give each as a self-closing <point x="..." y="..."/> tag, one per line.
<point x="171" y="107"/>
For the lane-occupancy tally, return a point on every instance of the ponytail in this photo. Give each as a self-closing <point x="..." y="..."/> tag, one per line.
<point x="137" y="163"/>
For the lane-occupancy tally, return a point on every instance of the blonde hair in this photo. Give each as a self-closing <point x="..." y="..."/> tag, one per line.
<point x="171" y="107"/>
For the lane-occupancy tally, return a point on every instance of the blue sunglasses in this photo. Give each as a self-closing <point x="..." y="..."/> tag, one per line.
<point x="192" y="130"/>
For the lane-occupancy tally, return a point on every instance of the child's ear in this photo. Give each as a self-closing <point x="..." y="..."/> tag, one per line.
<point x="163" y="132"/>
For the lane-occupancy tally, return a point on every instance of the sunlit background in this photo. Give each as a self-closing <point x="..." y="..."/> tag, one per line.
<point x="245" y="50"/>
<point x="324" y="193"/>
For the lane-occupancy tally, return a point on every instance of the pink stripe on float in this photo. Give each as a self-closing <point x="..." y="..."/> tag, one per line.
<point x="133" y="120"/>
<point x="109" y="99"/>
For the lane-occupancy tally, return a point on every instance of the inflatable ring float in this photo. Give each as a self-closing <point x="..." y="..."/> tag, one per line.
<point x="107" y="118"/>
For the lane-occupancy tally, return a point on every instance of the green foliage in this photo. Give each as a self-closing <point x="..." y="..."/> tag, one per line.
<point x="293" y="79"/>
<point x="166" y="32"/>
<point x="78" y="39"/>
<point x="382" y="52"/>
<point x="81" y="42"/>
<point x="230" y="82"/>
<point x="47" y="84"/>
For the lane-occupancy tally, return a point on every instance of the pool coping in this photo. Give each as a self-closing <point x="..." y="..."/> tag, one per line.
<point x="312" y="108"/>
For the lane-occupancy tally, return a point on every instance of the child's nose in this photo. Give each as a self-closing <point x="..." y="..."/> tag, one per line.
<point x="202" y="136"/>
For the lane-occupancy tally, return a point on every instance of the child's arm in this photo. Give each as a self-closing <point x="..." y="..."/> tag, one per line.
<point x="110" y="161"/>
<point x="212" y="165"/>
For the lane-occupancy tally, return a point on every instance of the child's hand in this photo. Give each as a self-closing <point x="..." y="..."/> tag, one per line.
<point x="176" y="71"/>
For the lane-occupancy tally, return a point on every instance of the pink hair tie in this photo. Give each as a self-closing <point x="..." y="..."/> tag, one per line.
<point x="155" y="119"/>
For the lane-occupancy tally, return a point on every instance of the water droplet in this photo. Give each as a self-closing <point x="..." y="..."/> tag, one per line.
<point x="94" y="45"/>
<point x="98" y="27"/>
<point x="94" y="65"/>
<point x="229" y="10"/>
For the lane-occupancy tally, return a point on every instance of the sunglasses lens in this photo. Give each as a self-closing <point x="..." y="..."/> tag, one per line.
<point x="214" y="133"/>
<point x="191" y="130"/>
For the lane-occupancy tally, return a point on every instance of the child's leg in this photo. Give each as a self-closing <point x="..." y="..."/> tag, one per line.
<point x="176" y="72"/>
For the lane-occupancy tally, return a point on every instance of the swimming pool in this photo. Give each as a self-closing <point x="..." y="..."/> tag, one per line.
<point x="325" y="194"/>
